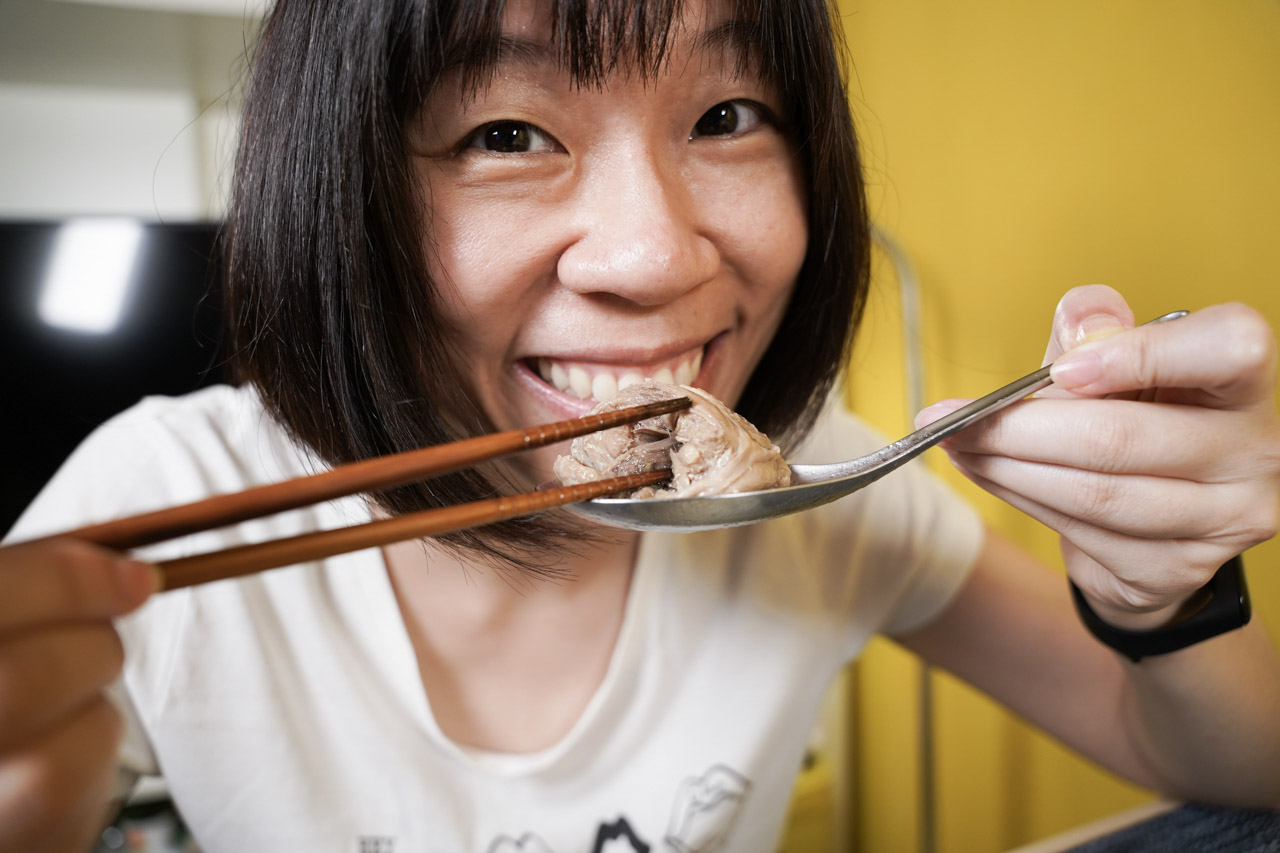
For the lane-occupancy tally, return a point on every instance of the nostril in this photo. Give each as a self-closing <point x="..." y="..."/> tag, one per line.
<point x="649" y="267"/>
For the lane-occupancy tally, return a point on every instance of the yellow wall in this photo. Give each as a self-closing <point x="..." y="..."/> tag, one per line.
<point x="1017" y="149"/>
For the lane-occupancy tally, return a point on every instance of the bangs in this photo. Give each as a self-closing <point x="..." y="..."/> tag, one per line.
<point x="593" y="39"/>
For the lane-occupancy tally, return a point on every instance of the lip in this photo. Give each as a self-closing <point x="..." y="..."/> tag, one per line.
<point x="569" y="405"/>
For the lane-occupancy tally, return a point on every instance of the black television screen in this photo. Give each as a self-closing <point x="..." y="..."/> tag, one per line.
<point x="67" y="368"/>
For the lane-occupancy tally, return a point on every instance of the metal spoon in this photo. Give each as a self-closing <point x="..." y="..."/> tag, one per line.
<point x="812" y="485"/>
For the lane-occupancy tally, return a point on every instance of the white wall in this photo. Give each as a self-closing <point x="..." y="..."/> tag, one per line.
<point x="108" y="109"/>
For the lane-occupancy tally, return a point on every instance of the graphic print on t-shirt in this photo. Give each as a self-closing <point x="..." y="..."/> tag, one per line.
<point x="618" y="837"/>
<point x="702" y="815"/>
<point x="527" y="843"/>
<point x="705" y="807"/>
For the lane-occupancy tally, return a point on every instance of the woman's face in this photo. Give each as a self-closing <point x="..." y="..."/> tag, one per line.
<point x="582" y="238"/>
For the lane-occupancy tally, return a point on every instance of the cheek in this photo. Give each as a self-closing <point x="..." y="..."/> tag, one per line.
<point x="463" y="262"/>
<point x="484" y="271"/>
<point x="778" y="226"/>
<point x="783" y="240"/>
<point x="765" y="233"/>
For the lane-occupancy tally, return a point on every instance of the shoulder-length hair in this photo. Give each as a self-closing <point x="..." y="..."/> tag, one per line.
<point x="329" y="306"/>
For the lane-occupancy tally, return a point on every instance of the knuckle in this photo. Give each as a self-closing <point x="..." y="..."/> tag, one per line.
<point x="1253" y="518"/>
<point x="1112" y="440"/>
<point x="1267" y="460"/>
<point x="1145" y="367"/>
<point x="986" y="436"/>
<point x="1095" y="496"/>
<point x="1261" y="521"/>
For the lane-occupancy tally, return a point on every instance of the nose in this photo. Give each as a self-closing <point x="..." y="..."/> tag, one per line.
<point x="637" y="234"/>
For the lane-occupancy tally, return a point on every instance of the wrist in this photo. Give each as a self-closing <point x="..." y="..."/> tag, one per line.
<point x="1151" y="620"/>
<point x="1221" y="605"/>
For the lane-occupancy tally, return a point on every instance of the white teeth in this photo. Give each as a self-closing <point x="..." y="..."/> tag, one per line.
<point x="684" y="373"/>
<point x="580" y="383"/>
<point x="604" y="387"/>
<point x="605" y="384"/>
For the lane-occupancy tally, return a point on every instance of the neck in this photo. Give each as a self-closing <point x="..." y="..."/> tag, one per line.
<point x="421" y="568"/>
<point x="510" y="661"/>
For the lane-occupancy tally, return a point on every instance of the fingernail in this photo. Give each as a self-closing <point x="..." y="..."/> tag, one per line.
<point x="138" y="579"/>
<point x="1076" y="369"/>
<point x="1097" y="326"/>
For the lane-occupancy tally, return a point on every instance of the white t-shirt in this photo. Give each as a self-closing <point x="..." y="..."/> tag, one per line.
<point x="286" y="710"/>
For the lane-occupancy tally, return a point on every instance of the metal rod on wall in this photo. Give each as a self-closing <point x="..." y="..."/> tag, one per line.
<point x="909" y="296"/>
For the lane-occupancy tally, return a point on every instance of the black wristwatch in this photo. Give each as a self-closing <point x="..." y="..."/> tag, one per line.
<point x="1227" y="609"/>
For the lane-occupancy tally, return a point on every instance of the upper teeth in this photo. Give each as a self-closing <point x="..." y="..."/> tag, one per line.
<point x="600" y="383"/>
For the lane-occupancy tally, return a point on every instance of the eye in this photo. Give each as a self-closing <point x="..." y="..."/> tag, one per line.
<point x="512" y="137"/>
<point x="729" y="118"/>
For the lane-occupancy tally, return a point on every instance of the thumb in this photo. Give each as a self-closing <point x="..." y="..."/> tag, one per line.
<point x="1086" y="314"/>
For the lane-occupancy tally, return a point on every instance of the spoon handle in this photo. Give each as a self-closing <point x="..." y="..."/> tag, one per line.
<point x="909" y="447"/>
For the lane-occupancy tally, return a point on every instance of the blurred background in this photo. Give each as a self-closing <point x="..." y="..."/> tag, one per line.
<point x="116" y="122"/>
<point x="1013" y="150"/>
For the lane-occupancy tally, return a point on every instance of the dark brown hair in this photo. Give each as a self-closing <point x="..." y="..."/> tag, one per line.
<point x="329" y="306"/>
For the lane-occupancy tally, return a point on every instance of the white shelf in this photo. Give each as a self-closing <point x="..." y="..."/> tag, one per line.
<point x="221" y="8"/>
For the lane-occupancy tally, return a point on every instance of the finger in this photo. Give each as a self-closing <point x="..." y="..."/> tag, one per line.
<point x="61" y="783"/>
<point x="1132" y="505"/>
<point x="1158" y="566"/>
<point x="61" y="580"/>
<point x="1226" y="353"/>
<point x="1118" y="437"/>
<point x="1084" y="314"/>
<point x="1151" y="576"/>
<point x="49" y="674"/>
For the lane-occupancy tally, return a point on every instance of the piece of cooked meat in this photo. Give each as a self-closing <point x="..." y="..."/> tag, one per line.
<point x="710" y="449"/>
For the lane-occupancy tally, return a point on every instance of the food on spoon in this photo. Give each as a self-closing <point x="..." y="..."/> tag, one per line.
<point x="709" y="449"/>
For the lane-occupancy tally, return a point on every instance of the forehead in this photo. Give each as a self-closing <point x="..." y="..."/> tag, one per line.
<point x="593" y="39"/>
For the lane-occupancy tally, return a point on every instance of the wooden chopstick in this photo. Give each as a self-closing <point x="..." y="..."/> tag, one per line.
<point x="379" y="473"/>
<point x="248" y="559"/>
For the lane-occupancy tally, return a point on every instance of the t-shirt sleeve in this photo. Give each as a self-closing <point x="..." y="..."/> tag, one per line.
<point x="950" y="536"/>
<point x="893" y="555"/>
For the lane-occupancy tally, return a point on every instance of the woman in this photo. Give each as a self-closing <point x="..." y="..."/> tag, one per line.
<point x="454" y="220"/>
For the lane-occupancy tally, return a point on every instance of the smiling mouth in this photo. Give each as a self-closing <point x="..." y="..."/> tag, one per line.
<point x="600" y="382"/>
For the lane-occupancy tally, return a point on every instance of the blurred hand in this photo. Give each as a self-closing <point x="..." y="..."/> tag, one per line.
<point x="58" y="650"/>
<point x="1156" y="454"/>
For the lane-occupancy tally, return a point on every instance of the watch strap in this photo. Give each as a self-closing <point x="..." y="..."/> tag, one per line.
<point x="1228" y="608"/>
